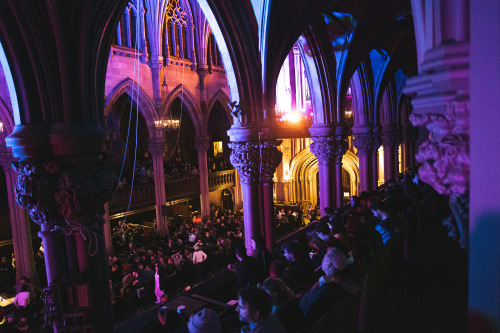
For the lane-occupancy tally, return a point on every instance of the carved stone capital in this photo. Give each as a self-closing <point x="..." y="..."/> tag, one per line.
<point x="391" y="138"/>
<point x="155" y="63"/>
<point x="329" y="149"/>
<point x="70" y="196"/>
<point x="253" y="159"/>
<point x="156" y="147"/>
<point x="363" y="142"/>
<point x="445" y="154"/>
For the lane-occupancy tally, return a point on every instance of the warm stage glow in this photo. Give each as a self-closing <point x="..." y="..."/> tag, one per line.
<point x="167" y="124"/>
<point x="1" y="127"/>
<point x="293" y="117"/>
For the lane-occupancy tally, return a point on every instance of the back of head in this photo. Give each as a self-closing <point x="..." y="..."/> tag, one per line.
<point x="323" y="228"/>
<point x="294" y="248"/>
<point x="204" y="321"/>
<point x="278" y="290"/>
<point x="257" y="299"/>
<point x="241" y="251"/>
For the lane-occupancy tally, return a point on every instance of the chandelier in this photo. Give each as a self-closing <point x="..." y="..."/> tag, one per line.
<point x="168" y="124"/>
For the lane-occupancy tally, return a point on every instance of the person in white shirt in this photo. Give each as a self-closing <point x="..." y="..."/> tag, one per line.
<point x="198" y="258"/>
<point x="22" y="301"/>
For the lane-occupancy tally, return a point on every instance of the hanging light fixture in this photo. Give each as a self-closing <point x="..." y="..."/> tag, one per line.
<point x="167" y="124"/>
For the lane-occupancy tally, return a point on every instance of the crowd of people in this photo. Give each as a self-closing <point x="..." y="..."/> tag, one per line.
<point x="292" y="291"/>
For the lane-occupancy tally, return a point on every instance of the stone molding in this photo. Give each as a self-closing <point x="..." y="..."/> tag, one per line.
<point x="329" y="149"/>
<point x="65" y="195"/>
<point x="363" y="142"/>
<point x="391" y="138"/>
<point x="254" y="159"/>
<point x="445" y="154"/>
<point x="156" y="147"/>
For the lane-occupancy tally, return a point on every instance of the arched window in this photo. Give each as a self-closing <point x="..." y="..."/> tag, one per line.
<point x="126" y="34"/>
<point x="179" y="31"/>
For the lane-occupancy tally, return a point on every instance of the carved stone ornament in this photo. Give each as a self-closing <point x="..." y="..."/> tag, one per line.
<point x="250" y="157"/>
<point x="239" y="114"/>
<point x="329" y="149"/>
<point x="64" y="195"/>
<point x="445" y="154"/>
<point x="391" y="138"/>
<point x="363" y="142"/>
<point x="156" y="64"/>
<point x="156" y="148"/>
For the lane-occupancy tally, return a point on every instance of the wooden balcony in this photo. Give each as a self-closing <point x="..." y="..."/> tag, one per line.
<point x="175" y="189"/>
<point x="221" y="179"/>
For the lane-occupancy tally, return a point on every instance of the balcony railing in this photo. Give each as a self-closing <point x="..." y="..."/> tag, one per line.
<point x="144" y="194"/>
<point x="221" y="179"/>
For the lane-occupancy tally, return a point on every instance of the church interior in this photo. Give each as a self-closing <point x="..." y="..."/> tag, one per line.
<point x="140" y="129"/>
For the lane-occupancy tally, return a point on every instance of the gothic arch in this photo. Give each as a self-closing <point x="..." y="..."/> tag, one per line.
<point x="193" y="108"/>
<point x="6" y="118"/>
<point x="221" y="97"/>
<point x="138" y="96"/>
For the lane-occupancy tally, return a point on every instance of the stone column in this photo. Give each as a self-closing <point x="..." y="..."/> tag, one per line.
<point x="19" y="222"/>
<point x="108" y="237"/>
<point x="246" y="159"/>
<point x="201" y="145"/>
<point x="390" y="141"/>
<point x="410" y="136"/>
<point x="341" y="147"/>
<point x="67" y="199"/>
<point x="364" y="145"/>
<point x="376" y="142"/>
<point x="271" y="158"/>
<point x="156" y="147"/>
<point x="324" y="148"/>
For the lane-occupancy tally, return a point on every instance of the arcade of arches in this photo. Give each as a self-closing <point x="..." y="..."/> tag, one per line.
<point x="240" y="104"/>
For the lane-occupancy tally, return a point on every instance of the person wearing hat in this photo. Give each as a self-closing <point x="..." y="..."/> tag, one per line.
<point x="204" y="321"/>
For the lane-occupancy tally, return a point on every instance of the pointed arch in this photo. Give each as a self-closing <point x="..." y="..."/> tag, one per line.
<point x="193" y="109"/>
<point x="221" y="97"/>
<point x="138" y="96"/>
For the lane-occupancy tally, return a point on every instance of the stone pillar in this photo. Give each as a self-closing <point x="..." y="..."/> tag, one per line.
<point x="271" y="158"/>
<point x="245" y="158"/>
<point x="19" y="222"/>
<point x="341" y="148"/>
<point x="390" y="141"/>
<point x="410" y="136"/>
<point x="156" y="147"/>
<point x="108" y="237"/>
<point x="324" y="148"/>
<point x="364" y="145"/>
<point x="201" y="145"/>
<point x="376" y="142"/>
<point x="156" y="64"/>
<point x="67" y="199"/>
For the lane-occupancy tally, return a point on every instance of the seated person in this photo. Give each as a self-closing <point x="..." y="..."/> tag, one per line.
<point x="388" y="225"/>
<point x="300" y="270"/>
<point x="254" y="308"/>
<point x="248" y="271"/>
<point x="326" y="292"/>
<point x="285" y="304"/>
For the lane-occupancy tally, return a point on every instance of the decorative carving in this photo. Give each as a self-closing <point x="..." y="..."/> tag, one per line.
<point x="156" y="147"/>
<point x="376" y="141"/>
<point x="323" y="147"/>
<point x="445" y="154"/>
<point x="363" y="142"/>
<point x="56" y="193"/>
<point x="239" y="114"/>
<point x="253" y="157"/>
<point x="391" y="138"/>
<point x="155" y="64"/>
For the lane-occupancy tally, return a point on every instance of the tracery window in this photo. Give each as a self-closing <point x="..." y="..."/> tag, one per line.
<point x="126" y="34"/>
<point x="178" y="38"/>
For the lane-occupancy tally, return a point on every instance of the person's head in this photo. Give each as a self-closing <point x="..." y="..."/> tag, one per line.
<point x="171" y="320"/>
<point x="329" y="210"/>
<point x="257" y="242"/>
<point x="377" y="207"/>
<point x="333" y="261"/>
<point x="241" y="252"/>
<point x="323" y="229"/>
<point x="276" y="268"/>
<point x="278" y="290"/>
<point x="292" y="251"/>
<point x="4" y="260"/>
<point x="23" y="280"/>
<point x="354" y="201"/>
<point x="253" y="304"/>
<point x="204" y="321"/>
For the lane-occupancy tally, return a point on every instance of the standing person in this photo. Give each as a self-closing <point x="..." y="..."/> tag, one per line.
<point x="158" y="292"/>
<point x="198" y="258"/>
